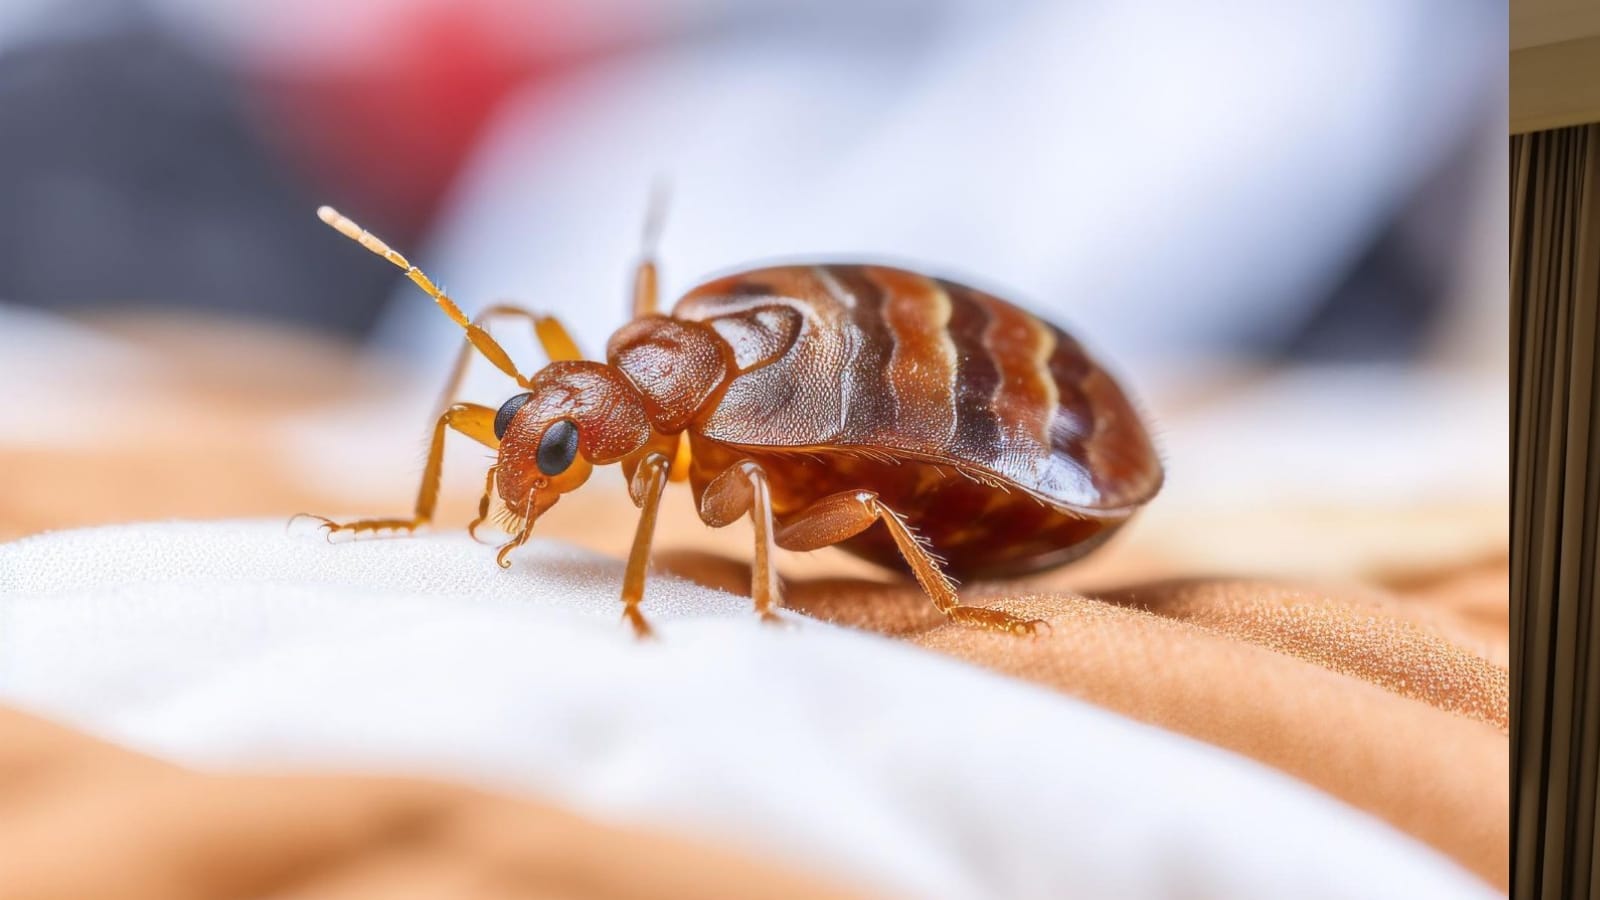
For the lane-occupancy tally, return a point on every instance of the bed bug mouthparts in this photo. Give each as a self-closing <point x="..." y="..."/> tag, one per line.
<point x="913" y="421"/>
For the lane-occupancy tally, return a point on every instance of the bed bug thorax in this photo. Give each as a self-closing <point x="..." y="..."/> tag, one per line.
<point x="900" y="417"/>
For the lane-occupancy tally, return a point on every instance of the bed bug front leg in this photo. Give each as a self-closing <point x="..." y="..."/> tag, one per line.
<point x="647" y="486"/>
<point x="739" y="489"/>
<point x="472" y="420"/>
<point x="844" y="515"/>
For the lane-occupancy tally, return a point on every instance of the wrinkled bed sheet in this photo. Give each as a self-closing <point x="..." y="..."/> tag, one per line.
<point x="243" y="646"/>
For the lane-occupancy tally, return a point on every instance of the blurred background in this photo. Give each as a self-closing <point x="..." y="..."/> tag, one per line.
<point x="1282" y="225"/>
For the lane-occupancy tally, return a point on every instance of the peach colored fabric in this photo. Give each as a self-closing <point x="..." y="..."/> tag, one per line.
<point x="1388" y="700"/>
<point x="1386" y="688"/>
<point x="80" y="818"/>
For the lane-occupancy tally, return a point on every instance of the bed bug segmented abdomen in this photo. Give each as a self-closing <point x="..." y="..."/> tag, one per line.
<point x="886" y="362"/>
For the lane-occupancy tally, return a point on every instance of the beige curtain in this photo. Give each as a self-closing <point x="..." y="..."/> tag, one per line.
<point x="1555" y="723"/>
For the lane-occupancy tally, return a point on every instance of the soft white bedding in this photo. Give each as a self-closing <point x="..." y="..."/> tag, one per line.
<point x="238" y="644"/>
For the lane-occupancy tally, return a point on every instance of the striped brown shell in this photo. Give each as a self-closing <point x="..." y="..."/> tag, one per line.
<point x="889" y="363"/>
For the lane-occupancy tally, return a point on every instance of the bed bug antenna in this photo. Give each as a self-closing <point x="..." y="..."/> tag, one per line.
<point x="480" y="339"/>
<point x="655" y="215"/>
<point x="646" y="278"/>
<point x="347" y="227"/>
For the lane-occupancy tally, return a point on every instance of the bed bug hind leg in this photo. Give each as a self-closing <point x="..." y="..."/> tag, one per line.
<point x="844" y="515"/>
<point x="477" y="422"/>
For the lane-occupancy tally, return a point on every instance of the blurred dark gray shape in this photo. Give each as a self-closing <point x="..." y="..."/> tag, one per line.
<point x="131" y="175"/>
<point x="1389" y="303"/>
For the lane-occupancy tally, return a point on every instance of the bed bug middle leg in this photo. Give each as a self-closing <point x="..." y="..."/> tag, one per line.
<point x="743" y="488"/>
<point x="844" y="515"/>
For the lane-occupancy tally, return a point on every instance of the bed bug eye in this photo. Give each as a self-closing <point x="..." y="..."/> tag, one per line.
<point x="558" y="447"/>
<point x="508" y="411"/>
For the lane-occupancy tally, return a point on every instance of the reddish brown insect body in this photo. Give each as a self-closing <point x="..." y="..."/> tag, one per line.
<point x="900" y="417"/>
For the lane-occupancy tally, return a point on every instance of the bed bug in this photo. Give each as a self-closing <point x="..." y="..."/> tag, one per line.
<point x="916" y="422"/>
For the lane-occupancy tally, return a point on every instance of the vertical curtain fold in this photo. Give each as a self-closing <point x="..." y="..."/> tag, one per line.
<point x="1555" y="726"/>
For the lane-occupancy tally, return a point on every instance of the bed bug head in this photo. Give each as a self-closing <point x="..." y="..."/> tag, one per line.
<point x="574" y="416"/>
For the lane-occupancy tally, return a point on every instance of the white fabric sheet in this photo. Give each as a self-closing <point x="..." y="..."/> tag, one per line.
<point x="240" y="644"/>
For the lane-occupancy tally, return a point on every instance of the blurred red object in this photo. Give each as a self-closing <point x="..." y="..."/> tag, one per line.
<point x="391" y="132"/>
